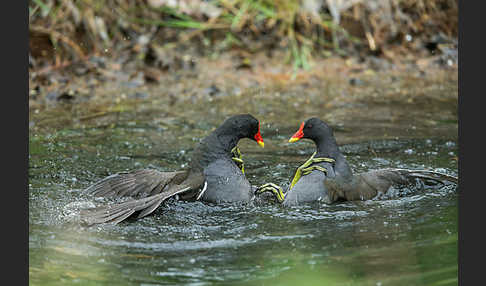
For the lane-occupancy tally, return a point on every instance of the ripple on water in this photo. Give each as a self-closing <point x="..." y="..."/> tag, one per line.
<point x="198" y="243"/>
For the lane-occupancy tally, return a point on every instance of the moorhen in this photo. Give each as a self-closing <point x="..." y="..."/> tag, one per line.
<point x="215" y="174"/>
<point x="327" y="176"/>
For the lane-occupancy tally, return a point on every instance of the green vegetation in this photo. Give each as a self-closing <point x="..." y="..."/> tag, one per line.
<point x="303" y="28"/>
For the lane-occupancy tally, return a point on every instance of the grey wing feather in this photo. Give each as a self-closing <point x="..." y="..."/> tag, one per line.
<point x="140" y="183"/>
<point x="364" y="186"/>
<point x="150" y="208"/>
<point x="119" y="212"/>
<point x="179" y="183"/>
<point x="439" y="178"/>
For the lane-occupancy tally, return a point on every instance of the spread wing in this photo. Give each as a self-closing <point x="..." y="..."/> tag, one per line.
<point x="137" y="184"/>
<point x="367" y="185"/>
<point x="151" y="186"/>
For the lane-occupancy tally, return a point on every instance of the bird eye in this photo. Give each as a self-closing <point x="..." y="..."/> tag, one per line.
<point x="309" y="125"/>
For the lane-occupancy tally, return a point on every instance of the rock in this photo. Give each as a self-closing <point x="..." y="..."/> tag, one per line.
<point x="60" y="96"/>
<point x="355" y="81"/>
<point x="212" y="90"/>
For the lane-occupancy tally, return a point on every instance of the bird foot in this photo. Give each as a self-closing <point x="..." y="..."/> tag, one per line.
<point x="306" y="168"/>
<point x="237" y="158"/>
<point x="274" y="189"/>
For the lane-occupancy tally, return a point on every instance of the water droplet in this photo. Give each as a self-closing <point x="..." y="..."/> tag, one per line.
<point x="450" y="144"/>
<point x="409" y="151"/>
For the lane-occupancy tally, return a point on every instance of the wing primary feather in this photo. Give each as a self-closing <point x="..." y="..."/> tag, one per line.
<point x="119" y="212"/>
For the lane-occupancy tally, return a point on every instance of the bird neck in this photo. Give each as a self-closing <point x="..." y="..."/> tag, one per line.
<point x="210" y="149"/>
<point x="227" y="142"/>
<point x="328" y="148"/>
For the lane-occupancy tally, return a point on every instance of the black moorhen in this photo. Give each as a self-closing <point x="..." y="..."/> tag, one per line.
<point x="215" y="174"/>
<point x="327" y="176"/>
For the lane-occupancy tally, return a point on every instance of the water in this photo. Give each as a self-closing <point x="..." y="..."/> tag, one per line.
<point x="408" y="240"/>
<point x="399" y="121"/>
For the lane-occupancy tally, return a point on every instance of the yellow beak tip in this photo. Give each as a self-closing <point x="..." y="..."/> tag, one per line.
<point x="293" y="139"/>
<point x="261" y="143"/>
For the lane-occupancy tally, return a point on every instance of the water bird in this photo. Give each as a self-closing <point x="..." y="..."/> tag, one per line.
<point x="326" y="176"/>
<point x="215" y="174"/>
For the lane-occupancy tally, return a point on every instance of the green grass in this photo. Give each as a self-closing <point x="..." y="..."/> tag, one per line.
<point x="284" y="21"/>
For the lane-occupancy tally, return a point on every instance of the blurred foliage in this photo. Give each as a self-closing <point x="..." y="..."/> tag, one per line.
<point x="70" y="29"/>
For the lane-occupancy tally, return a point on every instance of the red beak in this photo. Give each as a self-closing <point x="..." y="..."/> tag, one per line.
<point x="298" y="135"/>
<point x="258" y="137"/>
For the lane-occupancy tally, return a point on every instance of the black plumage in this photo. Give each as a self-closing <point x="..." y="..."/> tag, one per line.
<point x="213" y="175"/>
<point x="328" y="177"/>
